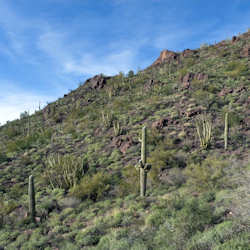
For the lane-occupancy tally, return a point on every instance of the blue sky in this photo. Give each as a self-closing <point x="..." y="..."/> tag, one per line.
<point x="48" y="46"/>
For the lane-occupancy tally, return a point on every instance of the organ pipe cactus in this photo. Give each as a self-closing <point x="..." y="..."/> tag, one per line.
<point x="143" y="166"/>
<point x="32" y="202"/>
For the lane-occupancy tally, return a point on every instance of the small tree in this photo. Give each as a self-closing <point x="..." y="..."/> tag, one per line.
<point x="131" y="73"/>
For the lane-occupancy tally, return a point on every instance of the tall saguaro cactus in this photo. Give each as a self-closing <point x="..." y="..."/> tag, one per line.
<point x="226" y="131"/>
<point x="143" y="166"/>
<point x="32" y="201"/>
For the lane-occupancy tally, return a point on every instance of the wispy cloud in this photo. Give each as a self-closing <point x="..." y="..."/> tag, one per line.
<point x="14" y="101"/>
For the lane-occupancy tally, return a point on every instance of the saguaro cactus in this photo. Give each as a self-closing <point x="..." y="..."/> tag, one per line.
<point x="226" y="131"/>
<point x="32" y="201"/>
<point x="143" y="166"/>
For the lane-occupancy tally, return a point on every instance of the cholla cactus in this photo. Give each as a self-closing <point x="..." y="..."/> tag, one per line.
<point x="143" y="166"/>
<point x="204" y="131"/>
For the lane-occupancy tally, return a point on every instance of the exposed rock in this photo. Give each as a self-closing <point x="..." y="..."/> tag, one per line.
<point x="151" y="83"/>
<point x="201" y="76"/>
<point x="186" y="80"/>
<point x="172" y="177"/>
<point x="194" y="112"/>
<point x="123" y="143"/>
<point x="97" y="82"/>
<point x="160" y="123"/>
<point x="240" y="89"/>
<point x="166" y="55"/>
<point x="246" y="51"/>
<point x="235" y="39"/>
<point x="225" y="91"/>
<point x="188" y="53"/>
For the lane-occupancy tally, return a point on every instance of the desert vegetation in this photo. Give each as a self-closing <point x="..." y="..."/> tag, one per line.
<point x="81" y="151"/>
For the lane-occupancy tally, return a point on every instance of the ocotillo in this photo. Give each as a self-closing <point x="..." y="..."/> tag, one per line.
<point x="143" y="166"/>
<point x="32" y="201"/>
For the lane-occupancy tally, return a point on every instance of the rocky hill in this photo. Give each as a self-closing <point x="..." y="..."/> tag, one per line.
<point x="82" y="149"/>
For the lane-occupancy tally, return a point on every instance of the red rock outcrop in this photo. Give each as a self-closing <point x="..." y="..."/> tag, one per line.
<point x="186" y="79"/>
<point x="97" y="82"/>
<point x="246" y="51"/>
<point x="160" y="123"/>
<point x="166" y="55"/>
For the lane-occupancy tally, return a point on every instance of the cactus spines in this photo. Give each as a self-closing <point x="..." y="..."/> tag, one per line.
<point x="226" y="131"/>
<point x="32" y="202"/>
<point x="143" y="166"/>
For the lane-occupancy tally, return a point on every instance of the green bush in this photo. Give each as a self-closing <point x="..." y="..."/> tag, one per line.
<point x="195" y="216"/>
<point x="12" y="131"/>
<point x="161" y="159"/>
<point x="22" y="143"/>
<point x="129" y="181"/>
<point x="88" y="237"/>
<point x="3" y="157"/>
<point x="206" y="175"/>
<point x="236" y="69"/>
<point x="92" y="187"/>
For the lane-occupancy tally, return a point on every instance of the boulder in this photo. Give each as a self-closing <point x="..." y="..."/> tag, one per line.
<point x="225" y="91"/>
<point x="123" y="143"/>
<point x="186" y="80"/>
<point x="246" y="51"/>
<point x="160" y="123"/>
<point x="201" y="76"/>
<point x="235" y="39"/>
<point x="187" y="53"/>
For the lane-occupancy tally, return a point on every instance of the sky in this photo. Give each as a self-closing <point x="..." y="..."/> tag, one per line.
<point x="49" y="47"/>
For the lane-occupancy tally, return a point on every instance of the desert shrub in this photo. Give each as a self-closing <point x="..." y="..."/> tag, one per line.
<point x="131" y="73"/>
<point x="235" y="69"/>
<point x="12" y="131"/>
<point x="88" y="237"/>
<point x="6" y="207"/>
<point x="195" y="216"/>
<point x="22" y="143"/>
<point x="161" y="159"/>
<point x="3" y="157"/>
<point x="226" y="235"/>
<point x="64" y="171"/>
<point x="92" y="187"/>
<point x="206" y="175"/>
<point x="129" y="181"/>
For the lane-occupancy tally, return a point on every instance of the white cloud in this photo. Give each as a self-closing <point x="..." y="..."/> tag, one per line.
<point x="14" y="101"/>
<point x="108" y="65"/>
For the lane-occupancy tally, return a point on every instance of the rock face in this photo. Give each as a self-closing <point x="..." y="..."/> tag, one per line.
<point x="166" y="55"/>
<point x="186" y="79"/>
<point x="235" y="39"/>
<point x="160" y="123"/>
<point x="188" y="53"/>
<point x="97" y="82"/>
<point x="246" y="51"/>
<point x="151" y="83"/>
<point x="123" y="143"/>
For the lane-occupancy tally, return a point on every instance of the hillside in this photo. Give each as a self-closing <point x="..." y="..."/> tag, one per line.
<point x="82" y="150"/>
